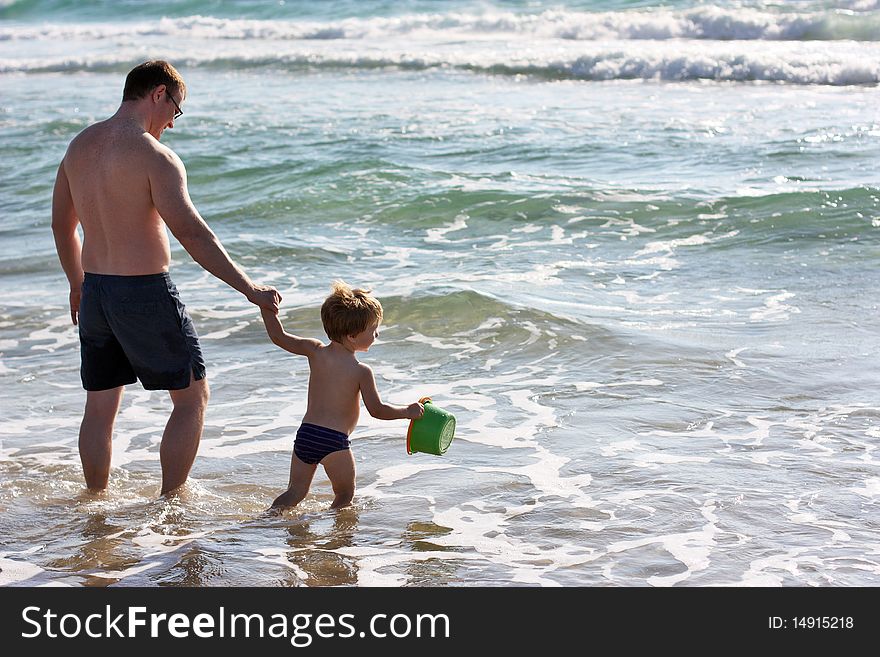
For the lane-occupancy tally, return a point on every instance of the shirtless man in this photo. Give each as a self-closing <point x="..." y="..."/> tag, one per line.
<point x="124" y="187"/>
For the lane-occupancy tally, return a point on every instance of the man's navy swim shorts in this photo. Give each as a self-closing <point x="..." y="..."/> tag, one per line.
<point x="135" y="327"/>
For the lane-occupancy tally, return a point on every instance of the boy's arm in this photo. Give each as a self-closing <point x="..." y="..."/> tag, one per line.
<point x="288" y="342"/>
<point x="377" y="408"/>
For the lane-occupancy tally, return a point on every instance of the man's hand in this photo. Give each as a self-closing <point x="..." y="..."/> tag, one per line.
<point x="75" y="296"/>
<point x="265" y="296"/>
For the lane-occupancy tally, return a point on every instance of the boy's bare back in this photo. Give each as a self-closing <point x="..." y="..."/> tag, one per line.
<point x="335" y="381"/>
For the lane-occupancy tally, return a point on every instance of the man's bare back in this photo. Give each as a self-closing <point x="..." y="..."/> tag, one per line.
<point x="108" y="167"/>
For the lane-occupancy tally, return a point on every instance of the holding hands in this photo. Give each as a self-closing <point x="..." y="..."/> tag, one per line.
<point x="266" y="297"/>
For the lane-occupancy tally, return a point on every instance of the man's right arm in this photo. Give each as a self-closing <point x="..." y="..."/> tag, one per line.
<point x="171" y="198"/>
<point x="67" y="242"/>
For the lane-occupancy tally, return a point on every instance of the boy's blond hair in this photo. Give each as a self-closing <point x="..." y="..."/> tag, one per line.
<point x="349" y="311"/>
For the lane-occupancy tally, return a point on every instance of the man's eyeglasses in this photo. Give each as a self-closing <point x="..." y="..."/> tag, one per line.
<point x="179" y="111"/>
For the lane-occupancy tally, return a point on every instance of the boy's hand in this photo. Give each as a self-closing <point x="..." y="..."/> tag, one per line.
<point x="415" y="411"/>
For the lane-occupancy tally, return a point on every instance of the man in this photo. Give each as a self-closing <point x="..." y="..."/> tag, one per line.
<point x="124" y="187"/>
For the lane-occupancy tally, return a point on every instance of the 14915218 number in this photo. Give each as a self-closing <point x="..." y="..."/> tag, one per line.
<point x="823" y="622"/>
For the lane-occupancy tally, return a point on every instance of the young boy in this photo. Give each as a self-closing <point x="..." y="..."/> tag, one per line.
<point x="351" y="319"/>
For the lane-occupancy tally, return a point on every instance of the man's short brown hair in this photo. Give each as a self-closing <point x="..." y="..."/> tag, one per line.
<point x="143" y="78"/>
<point x="349" y="311"/>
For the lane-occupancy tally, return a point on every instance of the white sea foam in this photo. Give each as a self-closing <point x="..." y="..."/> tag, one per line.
<point x="706" y="22"/>
<point x="593" y="385"/>
<point x="670" y="246"/>
<point x="812" y="520"/>
<point x="836" y="63"/>
<point x="871" y="488"/>
<point x="438" y="235"/>
<point x="775" y="569"/>
<point x="57" y="331"/>
<point x="753" y="438"/>
<point x="544" y="476"/>
<point x="161" y="557"/>
<point x="775" y="309"/>
<point x="486" y="531"/>
<point x="392" y="474"/>
<point x="461" y="350"/>
<point x="18" y="571"/>
<point x="692" y="549"/>
<point x="225" y="333"/>
<point x="281" y="558"/>
<point x="732" y="355"/>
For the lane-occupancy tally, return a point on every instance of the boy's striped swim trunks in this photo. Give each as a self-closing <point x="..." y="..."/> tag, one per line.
<point x="314" y="442"/>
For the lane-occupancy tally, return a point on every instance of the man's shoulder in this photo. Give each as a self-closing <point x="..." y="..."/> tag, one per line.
<point x="157" y="156"/>
<point x="149" y="143"/>
<point x="111" y="136"/>
<point x="86" y="137"/>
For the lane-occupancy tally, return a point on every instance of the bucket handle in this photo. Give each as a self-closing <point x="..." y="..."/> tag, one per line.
<point x="423" y="400"/>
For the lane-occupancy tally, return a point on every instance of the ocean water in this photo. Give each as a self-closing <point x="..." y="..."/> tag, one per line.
<point x="632" y="246"/>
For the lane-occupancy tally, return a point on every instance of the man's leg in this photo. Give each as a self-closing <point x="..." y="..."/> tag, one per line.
<point x="180" y="442"/>
<point x="95" y="435"/>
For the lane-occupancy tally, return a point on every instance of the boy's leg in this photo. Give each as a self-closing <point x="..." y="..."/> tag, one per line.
<point x="339" y="467"/>
<point x="95" y="435"/>
<point x="301" y="474"/>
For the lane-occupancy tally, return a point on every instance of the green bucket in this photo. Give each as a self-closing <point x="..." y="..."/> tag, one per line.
<point x="433" y="432"/>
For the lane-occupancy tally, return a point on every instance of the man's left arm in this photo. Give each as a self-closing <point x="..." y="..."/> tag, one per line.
<point x="67" y="242"/>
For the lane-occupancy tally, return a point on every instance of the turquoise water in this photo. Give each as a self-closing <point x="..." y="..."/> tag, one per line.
<point x="633" y="248"/>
